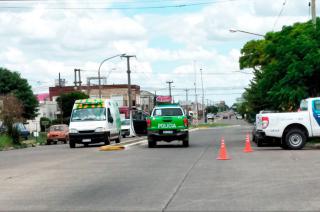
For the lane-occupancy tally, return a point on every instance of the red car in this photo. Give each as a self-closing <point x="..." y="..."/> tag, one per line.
<point x="58" y="133"/>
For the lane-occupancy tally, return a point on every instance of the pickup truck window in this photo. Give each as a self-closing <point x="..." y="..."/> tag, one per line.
<point x="304" y="105"/>
<point x="168" y="112"/>
<point x="316" y="104"/>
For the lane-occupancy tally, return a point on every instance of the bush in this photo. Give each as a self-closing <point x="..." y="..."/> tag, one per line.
<point x="5" y="141"/>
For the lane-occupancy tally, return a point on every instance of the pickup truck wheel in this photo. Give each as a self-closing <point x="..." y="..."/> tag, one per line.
<point x="151" y="143"/>
<point x="284" y="145"/>
<point x="72" y="144"/>
<point x="259" y="142"/>
<point x="295" y="139"/>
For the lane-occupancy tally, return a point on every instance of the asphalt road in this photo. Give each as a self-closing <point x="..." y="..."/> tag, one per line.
<point x="167" y="178"/>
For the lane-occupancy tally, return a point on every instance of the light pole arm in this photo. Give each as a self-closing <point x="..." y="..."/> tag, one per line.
<point x="109" y="58"/>
<point x="237" y="30"/>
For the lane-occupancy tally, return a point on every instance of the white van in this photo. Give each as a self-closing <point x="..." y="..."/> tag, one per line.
<point x="94" y="121"/>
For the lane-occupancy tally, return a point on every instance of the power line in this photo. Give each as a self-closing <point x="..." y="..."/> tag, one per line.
<point x="122" y="8"/>
<point x="280" y="13"/>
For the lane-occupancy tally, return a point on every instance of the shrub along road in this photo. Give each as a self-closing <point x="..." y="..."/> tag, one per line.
<point x="166" y="178"/>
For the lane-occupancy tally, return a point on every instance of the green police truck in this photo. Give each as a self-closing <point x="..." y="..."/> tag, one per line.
<point x="168" y="122"/>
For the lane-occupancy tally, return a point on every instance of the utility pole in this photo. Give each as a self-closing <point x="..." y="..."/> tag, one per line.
<point x="60" y="86"/>
<point x="129" y="79"/>
<point x="77" y="80"/>
<point x="170" y="82"/>
<point x="187" y="90"/>
<point x="195" y="88"/>
<point x="203" y="108"/>
<point x="313" y="12"/>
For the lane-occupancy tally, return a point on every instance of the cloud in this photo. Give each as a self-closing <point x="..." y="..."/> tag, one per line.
<point x="40" y="43"/>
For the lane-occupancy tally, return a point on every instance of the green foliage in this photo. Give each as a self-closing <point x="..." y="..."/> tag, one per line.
<point x="66" y="101"/>
<point x="286" y="68"/>
<point x="212" y="109"/>
<point x="42" y="125"/>
<point x="5" y="141"/>
<point x="11" y="82"/>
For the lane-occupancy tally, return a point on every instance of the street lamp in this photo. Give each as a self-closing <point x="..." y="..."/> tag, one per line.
<point x="237" y="30"/>
<point x="109" y="58"/>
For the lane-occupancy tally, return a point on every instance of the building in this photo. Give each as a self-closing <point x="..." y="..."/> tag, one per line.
<point x="47" y="109"/>
<point x="118" y="93"/>
<point x="146" y="101"/>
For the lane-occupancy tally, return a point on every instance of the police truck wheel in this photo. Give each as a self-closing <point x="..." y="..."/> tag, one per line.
<point x="295" y="139"/>
<point x="185" y="142"/>
<point x="259" y="142"/>
<point x="151" y="143"/>
<point x="72" y="144"/>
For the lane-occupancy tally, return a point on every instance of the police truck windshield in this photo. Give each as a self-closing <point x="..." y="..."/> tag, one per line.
<point x="167" y="112"/>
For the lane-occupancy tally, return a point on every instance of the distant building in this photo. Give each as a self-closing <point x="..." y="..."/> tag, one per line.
<point x="146" y="101"/>
<point x="47" y="109"/>
<point x="119" y="92"/>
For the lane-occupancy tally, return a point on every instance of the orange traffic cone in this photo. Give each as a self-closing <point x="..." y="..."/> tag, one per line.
<point x="247" y="147"/>
<point x="223" y="151"/>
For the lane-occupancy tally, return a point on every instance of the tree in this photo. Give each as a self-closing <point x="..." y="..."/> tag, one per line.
<point x="212" y="109"/>
<point x="286" y="68"/>
<point x="11" y="82"/>
<point x="11" y="112"/>
<point x="66" y="101"/>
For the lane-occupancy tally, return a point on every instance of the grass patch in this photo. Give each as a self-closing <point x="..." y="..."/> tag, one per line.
<point x="35" y="141"/>
<point x="5" y="142"/>
<point x="209" y="125"/>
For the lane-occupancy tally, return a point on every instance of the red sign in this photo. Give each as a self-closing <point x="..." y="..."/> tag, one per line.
<point x="164" y="99"/>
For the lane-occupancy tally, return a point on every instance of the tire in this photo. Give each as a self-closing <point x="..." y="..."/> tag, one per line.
<point x="85" y="144"/>
<point x="123" y="136"/>
<point x="283" y="145"/>
<point x="185" y="142"/>
<point x="107" y="140"/>
<point x="295" y="139"/>
<point x="259" y="142"/>
<point x="151" y="143"/>
<point x="118" y="140"/>
<point x="48" y="142"/>
<point x="55" y="142"/>
<point x="72" y="144"/>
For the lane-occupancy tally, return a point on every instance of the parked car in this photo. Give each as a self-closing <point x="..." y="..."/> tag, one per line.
<point x="125" y="127"/>
<point x="210" y="116"/>
<point x="58" y="133"/>
<point x="238" y="116"/>
<point x="23" y="131"/>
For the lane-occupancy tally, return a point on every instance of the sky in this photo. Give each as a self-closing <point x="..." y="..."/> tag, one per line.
<point x="171" y="42"/>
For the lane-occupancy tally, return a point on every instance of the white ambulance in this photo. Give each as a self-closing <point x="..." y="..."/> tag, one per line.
<point x="94" y="121"/>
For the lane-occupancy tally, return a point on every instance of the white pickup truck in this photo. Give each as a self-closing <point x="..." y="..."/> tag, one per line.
<point x="292" y="129"/>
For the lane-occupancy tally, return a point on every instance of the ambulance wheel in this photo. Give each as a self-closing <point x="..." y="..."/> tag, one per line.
<point x="107" y="140"/>
<point x="118" y="140"/>
<point x="72" y="144"/>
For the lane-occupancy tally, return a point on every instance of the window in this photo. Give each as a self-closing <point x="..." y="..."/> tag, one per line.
<point x="168" y="112"/>
<point x="316" y="105"/>
<point x="304" y="105"/>
<point x="56" y="128"/>
<point x="89" y="114"/>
